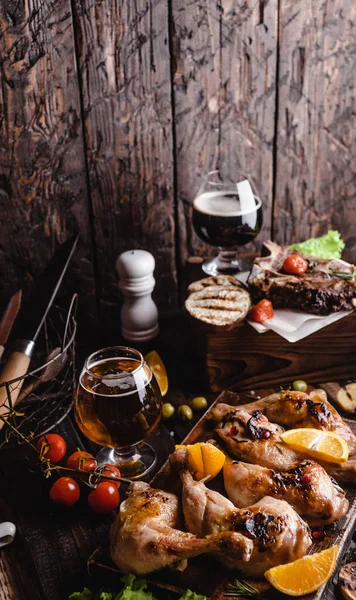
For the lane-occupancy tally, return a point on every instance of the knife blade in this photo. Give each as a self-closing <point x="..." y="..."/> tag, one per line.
<point x="30" y="321"/>
<point x="8" y="319"/>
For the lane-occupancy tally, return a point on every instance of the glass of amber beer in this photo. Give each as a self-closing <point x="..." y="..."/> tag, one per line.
<point x="118" y="405"/>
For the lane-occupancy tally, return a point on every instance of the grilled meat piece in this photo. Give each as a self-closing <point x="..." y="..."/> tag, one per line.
<point x="321" y="290"/>
<point x="278" y="534"/>
<point x="145" y="537"/>
<point x="253" y="439"/>
<point x="297" y="409"/>
<point x="308" y="488"/>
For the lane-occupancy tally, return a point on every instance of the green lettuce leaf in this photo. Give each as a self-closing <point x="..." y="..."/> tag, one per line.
<point x="84" y="595"/>
<point x="135" y="589"/>
<point x="327" y="246"/>
<point x="189" y="595"/>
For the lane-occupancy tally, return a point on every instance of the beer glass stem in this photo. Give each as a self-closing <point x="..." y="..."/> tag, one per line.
<point x="134" y="462"/>
<point x="225" y="263"/>
<point x="227" y="260"/>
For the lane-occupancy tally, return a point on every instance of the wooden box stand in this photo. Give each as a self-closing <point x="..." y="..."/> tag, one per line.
<point x="244" y="359"/>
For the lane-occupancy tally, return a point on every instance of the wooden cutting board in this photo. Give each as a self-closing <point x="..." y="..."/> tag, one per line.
<point x="206" y="575"/>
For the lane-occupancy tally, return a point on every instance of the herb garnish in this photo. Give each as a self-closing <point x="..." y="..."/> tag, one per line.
<point x="242" y="589"/>
<point x="344" y="274"/>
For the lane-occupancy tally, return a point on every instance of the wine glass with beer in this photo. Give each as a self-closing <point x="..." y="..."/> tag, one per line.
<point x="118" y="405"/>
<point x="227" y="214"/>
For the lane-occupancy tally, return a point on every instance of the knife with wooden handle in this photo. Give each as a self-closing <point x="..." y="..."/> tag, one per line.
<point x="29" y="324"/>
<point x="8" y="318"/>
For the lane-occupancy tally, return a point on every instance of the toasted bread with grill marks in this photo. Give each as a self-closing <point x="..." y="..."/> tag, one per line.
<point x="219" y="305"/>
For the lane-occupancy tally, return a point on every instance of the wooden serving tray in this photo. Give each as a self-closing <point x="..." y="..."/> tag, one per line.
<point x="204" y="574"/>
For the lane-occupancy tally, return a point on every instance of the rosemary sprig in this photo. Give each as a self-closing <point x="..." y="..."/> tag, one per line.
<point x="242" y="589"/>
<point x="344" y="274"/>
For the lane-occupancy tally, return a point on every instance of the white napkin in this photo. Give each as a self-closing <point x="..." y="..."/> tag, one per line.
<point x="294" y="325"/>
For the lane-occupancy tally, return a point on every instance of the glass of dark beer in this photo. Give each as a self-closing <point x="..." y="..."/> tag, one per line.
<point x="227" y="214"/>
<point x="118" y="405"/>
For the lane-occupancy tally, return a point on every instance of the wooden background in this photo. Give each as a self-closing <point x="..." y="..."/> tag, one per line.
<point x="112" y="110"/>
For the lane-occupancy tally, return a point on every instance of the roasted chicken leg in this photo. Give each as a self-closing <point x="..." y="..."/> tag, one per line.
<point x="278" y="534"/>
<point x="308" y="488"/>
<point x="297" y="409"/>
<point x="145" y="537"/>
<point x="253" y="439"/>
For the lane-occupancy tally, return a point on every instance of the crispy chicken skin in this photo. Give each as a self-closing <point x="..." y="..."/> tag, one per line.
<point x="278" y="534"/>
<point x="307" y="487"/>
<point x="145" y="538"/>
<point x="253" y="439"/>
<point x="297" y="409"/>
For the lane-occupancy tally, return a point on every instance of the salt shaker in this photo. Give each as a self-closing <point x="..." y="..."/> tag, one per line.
<point x="139" y="314"/>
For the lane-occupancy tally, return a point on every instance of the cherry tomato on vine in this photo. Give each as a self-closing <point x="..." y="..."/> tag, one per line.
<point x="111" y="471"/>
<point x="262" y="311"/>
<point x="104" y="498"/>
<point x="82" y="460"/>
<point x="52" y="446"/>
<point x="295" y="264"/>
<point x="65" y="491"/>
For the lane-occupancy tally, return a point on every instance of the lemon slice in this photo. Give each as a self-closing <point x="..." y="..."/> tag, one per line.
<point x="305" y="575"/>
<point x="204" y="459"/>
<point x="158" y="369"/>
<point x="325" y="445"/>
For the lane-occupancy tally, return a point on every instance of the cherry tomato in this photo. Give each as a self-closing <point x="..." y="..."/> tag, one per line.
<point x="52" y="446"/>
<point x="261" y="312"/>
<point x="104" y="498"/>
<point x="295" y="264"/>
<point x="65" y="491"/>
<point x="81" y="460"/>
<point x="111" y="471"/>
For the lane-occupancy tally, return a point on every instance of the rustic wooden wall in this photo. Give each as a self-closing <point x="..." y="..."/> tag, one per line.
<point x="111" y="112"/>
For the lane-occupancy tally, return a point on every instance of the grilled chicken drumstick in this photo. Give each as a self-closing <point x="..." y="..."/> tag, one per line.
<point x="307" y="487"/>
<point x="145" y="537"/>
<point x="253" y="439"/>
<point x="278" y="534"/>
<point x="297" y="409"/>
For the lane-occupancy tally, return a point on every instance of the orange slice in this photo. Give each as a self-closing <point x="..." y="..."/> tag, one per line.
<point x="213" y="459"/>
<point x="305" y="575"/>
<point x="204" y="459"/>
<point x="325" y="445"/>
<point x="158" y="369"/>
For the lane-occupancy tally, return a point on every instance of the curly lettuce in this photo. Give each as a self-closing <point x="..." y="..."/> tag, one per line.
<point x="134" y="589"/>
<point x="327" y="246"/>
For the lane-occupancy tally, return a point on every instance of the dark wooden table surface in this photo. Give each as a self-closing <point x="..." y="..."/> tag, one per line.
<point x="48" y="558"/>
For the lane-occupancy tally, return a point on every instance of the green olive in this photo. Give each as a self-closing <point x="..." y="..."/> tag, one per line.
<point x="199" y="403"/>
<point x="299" y="385"/>
<point x="185" y="412"/>
<point x="168" y="410"/>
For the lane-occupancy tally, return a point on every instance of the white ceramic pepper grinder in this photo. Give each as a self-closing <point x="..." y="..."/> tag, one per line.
<point x="139" y="314"/>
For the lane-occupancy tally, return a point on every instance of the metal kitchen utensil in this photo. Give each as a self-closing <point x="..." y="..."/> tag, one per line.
<point x="30" y="322"/>
<point x="48" y="405"/>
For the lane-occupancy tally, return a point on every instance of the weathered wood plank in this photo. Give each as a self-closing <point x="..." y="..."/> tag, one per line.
<point x="125" y="75"/>
<point x="42" y="175"/>
<point x="224" y="90"/>
<point x="316" y="145"/>
<point x="244" y="359"/>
